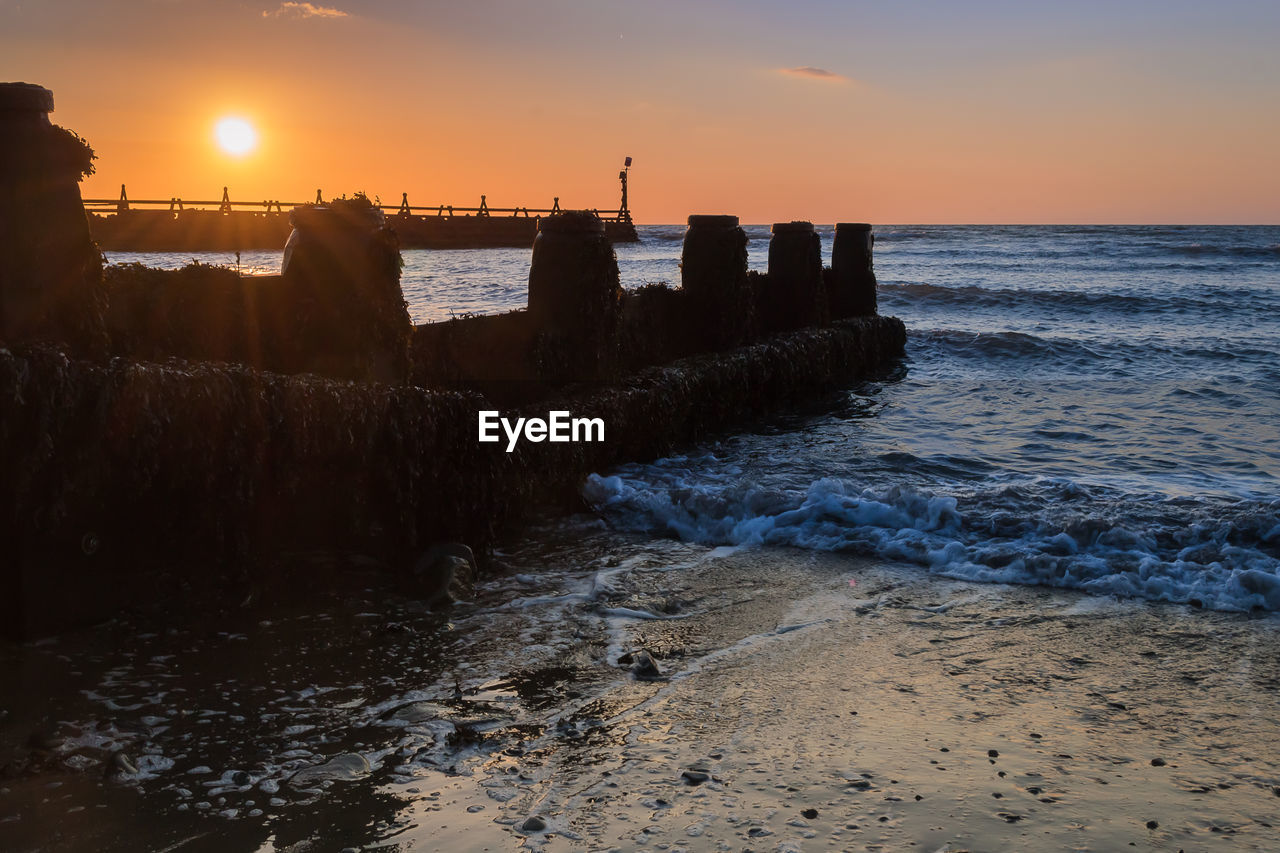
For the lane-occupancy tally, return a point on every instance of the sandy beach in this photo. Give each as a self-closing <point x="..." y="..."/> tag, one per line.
<point x="803" y="701"/>
<point x="896" y="712"/>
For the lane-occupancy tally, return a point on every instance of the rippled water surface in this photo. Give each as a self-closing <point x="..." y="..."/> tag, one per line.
<point x="1089" y="406"/>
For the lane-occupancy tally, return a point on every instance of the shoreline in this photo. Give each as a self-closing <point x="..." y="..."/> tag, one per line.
<point x="520" y="704"/>
<point x="913" y="711"/>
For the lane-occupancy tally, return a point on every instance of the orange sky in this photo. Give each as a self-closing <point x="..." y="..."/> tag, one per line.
<point x="823" y="110"/>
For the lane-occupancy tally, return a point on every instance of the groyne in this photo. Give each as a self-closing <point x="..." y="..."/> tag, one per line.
<point x="210" y="423"/>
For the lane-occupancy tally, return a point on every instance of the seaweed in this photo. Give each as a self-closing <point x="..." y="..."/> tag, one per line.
<point x="48" y="150"/>
<point x="338" y="310"/>
<point x="656" y="326"/>
<point x="114" y="469"/>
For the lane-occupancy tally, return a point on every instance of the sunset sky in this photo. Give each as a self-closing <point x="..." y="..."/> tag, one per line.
<point x="1114" y="112"/>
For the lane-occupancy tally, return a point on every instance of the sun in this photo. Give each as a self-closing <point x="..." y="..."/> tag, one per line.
<point x="235" y="136"/>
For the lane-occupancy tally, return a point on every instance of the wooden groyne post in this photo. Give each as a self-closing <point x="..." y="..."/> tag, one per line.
<point x="574" y="297"/>
<point x="851" y="287"/>
<point x="50" y="270"/>
<point x="797" y="291"/>
<point x="342" y="269"/>
<point x="713" y="270"/>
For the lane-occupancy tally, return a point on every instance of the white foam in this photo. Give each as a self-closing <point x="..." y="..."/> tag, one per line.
<point x="632" y="613"/>
<point x="1136" y="551"/>
<point x="540" y="600"/>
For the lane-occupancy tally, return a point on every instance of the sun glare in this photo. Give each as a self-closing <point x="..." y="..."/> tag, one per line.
<point x="235" y="136"/>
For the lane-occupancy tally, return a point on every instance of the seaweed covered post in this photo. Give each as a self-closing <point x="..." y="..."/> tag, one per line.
<point x="713" y="266"/>
<point x="342" y="271"/>
<point x="50" y="270"/>
<point x="574" y="298"/>
<point x="852" y="284"/>
<point x="797" y="290"/>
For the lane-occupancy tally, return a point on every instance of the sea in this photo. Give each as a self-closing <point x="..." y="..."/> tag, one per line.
<point x="1018" y="591"/>
<point x="1088" y="407"/>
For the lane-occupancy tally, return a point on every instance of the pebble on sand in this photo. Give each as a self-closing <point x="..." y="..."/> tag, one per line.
<point x="644" y="667"/>
<point x="344" y="768"/>
<point x="695" y="777"/>
<point x="121" y="764"/>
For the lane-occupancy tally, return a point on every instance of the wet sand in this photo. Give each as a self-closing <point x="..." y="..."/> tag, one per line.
<point x="907" y="712"/>
<point x="805" y="702"/>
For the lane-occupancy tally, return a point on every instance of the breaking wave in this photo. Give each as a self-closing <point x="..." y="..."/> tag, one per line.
<point x="1217" y="554"/>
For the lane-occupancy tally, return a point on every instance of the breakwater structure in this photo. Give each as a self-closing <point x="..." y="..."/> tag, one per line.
<point x="179" y="434"/>
<point x="177" y="225"/>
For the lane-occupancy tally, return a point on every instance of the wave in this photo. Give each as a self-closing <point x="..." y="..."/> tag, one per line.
<point x="1121" y="356"/>
<point x="1222" y="300"/>
<point x="672" y="233"/>
<point x="1019" y="351"/>
<point x="1003" y="345"/>
<point x="1050" y="532"/>
<point x="1235" y="251"/>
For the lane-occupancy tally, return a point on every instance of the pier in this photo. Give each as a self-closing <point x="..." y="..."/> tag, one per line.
<point x="181" y="225"/>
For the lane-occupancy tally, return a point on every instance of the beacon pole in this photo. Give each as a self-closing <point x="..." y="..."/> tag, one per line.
<point x="624" y="212"/>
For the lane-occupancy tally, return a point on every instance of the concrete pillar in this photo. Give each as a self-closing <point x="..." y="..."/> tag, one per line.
<point x="574" y="297"/>
<point x="795" y="275"/>
<point x="853" y="279"/>
<point x="341" y="268"/>
<point x="713" y="267"/>
<point x="50" y="269"/>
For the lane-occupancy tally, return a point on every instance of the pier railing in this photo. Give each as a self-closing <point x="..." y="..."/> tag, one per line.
<point x="107" y="206"/>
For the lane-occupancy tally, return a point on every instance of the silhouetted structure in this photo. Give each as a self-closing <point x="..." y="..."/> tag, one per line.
<point x="574" y="298"/>
<point x="795" y="294"/>
<point x="50" y="272"/>
<point x="175" y="225"/>
<point x="851" y="284"/>
<point x="336" y="310"/>
<point x="341" y="271"/>
<point x="624" y="209"/>
<point x="118" y="473"/>
<point x="713" y="271"/>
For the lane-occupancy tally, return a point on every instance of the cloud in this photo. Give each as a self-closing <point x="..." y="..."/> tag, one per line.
<point x="811" y="73"/>
<point x="291" y="9"/>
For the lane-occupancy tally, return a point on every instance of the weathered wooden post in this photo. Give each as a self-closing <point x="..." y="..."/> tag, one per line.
<point x="795" y="275"/>
<point x="713" y="271"/>
<point x="852" y="285"/>
<point x="342" y="270"/>
<point x="50" y="269"/>
<point x="574" y="298"/>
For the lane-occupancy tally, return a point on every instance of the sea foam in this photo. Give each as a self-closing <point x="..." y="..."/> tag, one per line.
<point x="1218" y="555"/>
